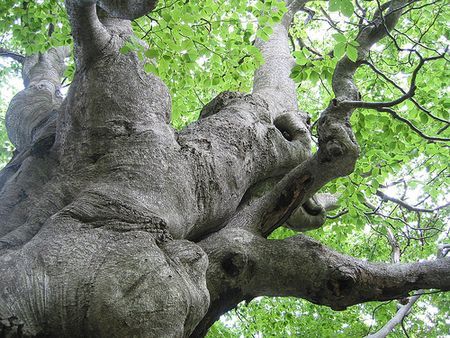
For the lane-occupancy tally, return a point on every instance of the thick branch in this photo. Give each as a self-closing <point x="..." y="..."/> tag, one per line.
<point x="294" y="6"/>
<point x="335" y="158"/>
<point x="48" y="66"/>
<point x="238" y="139"/>
<point x="31" y="126"/>
<point x="299" y="266"/>
<point x="405" y="309"/>
<point x="343" y="85"/>
<point x="272" y="80"/>
<point x="127" y="9"/>
<point x="243" y="265"/>
<point x="31" y="109"/>
<point x="313" y="213"/>
<point x="89" y="34"/>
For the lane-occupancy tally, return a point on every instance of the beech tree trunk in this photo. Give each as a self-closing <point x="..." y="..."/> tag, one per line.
<point x="113" y="224"/>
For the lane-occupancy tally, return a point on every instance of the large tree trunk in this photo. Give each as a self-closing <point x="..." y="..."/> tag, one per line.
<point x="114" y="224"/>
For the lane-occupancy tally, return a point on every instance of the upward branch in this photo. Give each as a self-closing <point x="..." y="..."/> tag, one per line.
<point x="272" y="80"/>
<point x="89" y="20"/>
<point x="338" y="150"/>
<point x="90" y="36"/>
<point x="32" y="107"/>
<point x="343" y="84"/>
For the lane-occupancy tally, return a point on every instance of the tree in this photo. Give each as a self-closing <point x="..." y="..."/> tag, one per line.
<point x="114" y="223"/>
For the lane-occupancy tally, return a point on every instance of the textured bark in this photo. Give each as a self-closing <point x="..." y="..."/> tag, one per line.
<point x="114" y="224"/>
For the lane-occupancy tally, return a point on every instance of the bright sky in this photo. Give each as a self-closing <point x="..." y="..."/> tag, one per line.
<point x="10" y="85"/>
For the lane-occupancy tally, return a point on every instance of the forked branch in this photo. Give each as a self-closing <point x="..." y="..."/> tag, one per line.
<point x="419" y="106"/>
<point x="407" y="95"/>
<point x="90" y="34"/>
<point x="338" y="150"/>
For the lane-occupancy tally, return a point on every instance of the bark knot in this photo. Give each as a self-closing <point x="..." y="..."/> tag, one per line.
<point x="234" y="263"/>
<point x="11" y="327"/>
<point x="334" y="148"/>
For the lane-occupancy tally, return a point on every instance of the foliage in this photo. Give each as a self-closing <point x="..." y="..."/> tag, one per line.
<point x="24" y="25"/>
<point x="203" y="48"/>
<point x="8" y="74"/>
<point x="6" y="147"/>
<point x="208" y="51"/>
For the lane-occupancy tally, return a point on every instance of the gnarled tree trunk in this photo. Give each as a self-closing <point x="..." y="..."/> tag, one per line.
<point x="114" y="224"/>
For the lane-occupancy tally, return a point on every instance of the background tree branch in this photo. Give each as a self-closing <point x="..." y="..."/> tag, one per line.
<point x="15" y="56"/>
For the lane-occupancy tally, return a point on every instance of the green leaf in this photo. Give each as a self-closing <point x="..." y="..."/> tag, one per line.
<point x="339" y="50"/>
<point x="265" y="33"/>
<point x="339" y="37"/>
<point x="296" y="70"/>
<point x="151" y="53"/>
<point x="334" y="5"/>
<point x="125" y="49"/>
<point x="347" y="8"/>
<point x="424" y="118"/>
<point x="352" y="53"/>
<point x="150" y="68"/>
<point x="314" y="77"/>
<point x="300" y="58"/>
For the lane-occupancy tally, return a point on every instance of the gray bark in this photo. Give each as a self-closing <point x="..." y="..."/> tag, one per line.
<point x="114" y="224"/>
<point x="403" y="311"/>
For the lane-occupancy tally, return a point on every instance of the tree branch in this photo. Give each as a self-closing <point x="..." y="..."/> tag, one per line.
<point x="127" y="9"/>
<point x="335" y="119"/>
<point x="404" y="310"/>
<point x="89" y="34"/>
<point x="244" y="265"/>
<point x="272" y="80"/>
<point x="342" y="83"/>
<point x="377" y="71"/>
<point x="91" y="30"/>
<point x="15" y="56"/>
<point x="304" y="268"/>
<point x="398" y="318"/>
<point x="394" y="114"/>
<point x="334" y="159"/>
<point x="407" y="95"/>
<point x="313" y="213"/>
<point x="31" y="112"/>
<point x="405" y="205"/>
